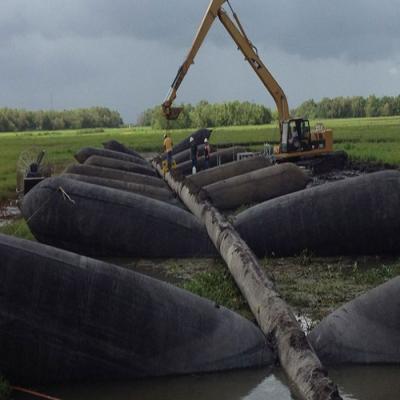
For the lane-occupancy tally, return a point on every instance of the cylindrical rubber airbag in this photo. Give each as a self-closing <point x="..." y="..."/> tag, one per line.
<point x="117" y="146"/>
<point x="228" y="170"/>
<point x="68" y="318"/>
<point x="198" y="137"/>
<point x="128" y="166"/>
<point x="353" y="216"/>
<point x="216" y="158"/>
<point x="364" y="331"/>
<point x="86" y="152"/>
<point x="108" y="173"/>
<point x="162" y="194"/>
<point x="102" y="221"/>
<point x="257" y="186"/>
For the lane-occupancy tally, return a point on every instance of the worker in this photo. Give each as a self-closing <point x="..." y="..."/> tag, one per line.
<point x="207" y="151"/>
<point x="294" y="140"/>
<point x="168" y="149"/>
<point x="193" y="154"/>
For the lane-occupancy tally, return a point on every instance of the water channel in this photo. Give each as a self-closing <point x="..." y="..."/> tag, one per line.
<point x="355" y="383"/>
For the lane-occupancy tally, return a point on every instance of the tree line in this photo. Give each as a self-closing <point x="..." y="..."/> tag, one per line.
<point x="350" y="107"/>
<point x="23" y="120"/>
<point x="206" y="114"/>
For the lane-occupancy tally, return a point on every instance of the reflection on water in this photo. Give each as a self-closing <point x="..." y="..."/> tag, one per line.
<point x="356" y="383"/>
<point x="368" y="383"/>
<point x="234" y="385"/>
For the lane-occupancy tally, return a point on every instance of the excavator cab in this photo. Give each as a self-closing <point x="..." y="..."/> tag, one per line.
<point x="298" y="140"/>
<point x="295" y="135"/>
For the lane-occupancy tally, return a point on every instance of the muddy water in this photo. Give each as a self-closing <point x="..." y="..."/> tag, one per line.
<point x="356" y="383"/>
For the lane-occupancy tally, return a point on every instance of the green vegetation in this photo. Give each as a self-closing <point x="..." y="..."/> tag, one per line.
<point x="230" y="113"/>
<point x="367" y="139"/>
<point x="17" y="120"/>
<point x="5" y="389"/>
<point x="313" y="286"/>
<point x="350" y="107"/>
<point x="18" y="228"/>
<point x="218" y="286"/>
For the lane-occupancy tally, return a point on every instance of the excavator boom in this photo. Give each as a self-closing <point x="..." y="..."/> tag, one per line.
<point x="237" y="33"/>
<point x="208" y="19"/>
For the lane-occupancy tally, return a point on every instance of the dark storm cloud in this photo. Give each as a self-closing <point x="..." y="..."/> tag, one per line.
<point x="356" y="29"/>
<point x="124" y="53"/>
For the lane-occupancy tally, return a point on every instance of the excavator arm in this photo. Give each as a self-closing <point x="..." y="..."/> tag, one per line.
<point x="208" y="19"/>
<point x="239" y="36"/>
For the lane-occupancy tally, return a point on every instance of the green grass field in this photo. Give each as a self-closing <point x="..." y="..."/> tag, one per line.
<point x="369" y="139"/>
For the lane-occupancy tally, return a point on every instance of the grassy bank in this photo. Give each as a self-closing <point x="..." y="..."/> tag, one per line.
<point x="370" y="139"/>
<point x="313" y="286"/>
<point x="18" y="228"/>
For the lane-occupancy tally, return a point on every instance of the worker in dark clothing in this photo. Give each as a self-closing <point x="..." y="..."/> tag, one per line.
<point x="193" y="154"/>
<point x="207" y="151"/>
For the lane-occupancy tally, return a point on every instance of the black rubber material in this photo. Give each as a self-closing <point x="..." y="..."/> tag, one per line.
<point x="68" y="318"/>
<point x="354" y="216"/>
<point x="221" y="156"/>
<point x="102" y="221"/>
<point x="113" y="163"/>
<point x="257" y="186"/>
<point x="198" y="137"/>
<point x="86" y="152"/>
<point x="158" y="193"/>
<point x="117" y="146"/>
<point x="228" y="170"/>
<point x="109" y="173"/>
<point x="363" y="331"/>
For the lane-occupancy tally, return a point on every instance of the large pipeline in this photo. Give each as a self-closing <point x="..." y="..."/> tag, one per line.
<point x="257" y="186"/>
<point x="108" y="173"/>
<point x="354" y="216"/>
<point x="68" y="318"/>
<point x="86" y="152"/>
<point x="364" y="331"/>
<point x="113" y="163"/>
<point x="228" y="170"/>
<point x="102" y="221"/>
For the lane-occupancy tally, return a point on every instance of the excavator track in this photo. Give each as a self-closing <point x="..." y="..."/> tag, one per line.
<point x="322" y="163"/>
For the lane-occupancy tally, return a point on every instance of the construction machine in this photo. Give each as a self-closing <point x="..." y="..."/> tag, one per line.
<point x="297" y="140"/>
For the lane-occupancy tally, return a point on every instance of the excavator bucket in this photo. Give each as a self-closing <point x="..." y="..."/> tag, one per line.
<point x="173" y="113"/>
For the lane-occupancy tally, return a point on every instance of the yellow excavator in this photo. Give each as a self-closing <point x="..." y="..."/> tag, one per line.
<point x="297" y="141"/>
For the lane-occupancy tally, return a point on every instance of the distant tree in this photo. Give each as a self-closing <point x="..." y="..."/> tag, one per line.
<point x="372" y="108"/>
<point x="205" y="114"/>
<point x="21" y="120"/>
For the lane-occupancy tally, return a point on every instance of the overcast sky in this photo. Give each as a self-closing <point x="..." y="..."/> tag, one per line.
<point x="124" y="54"/>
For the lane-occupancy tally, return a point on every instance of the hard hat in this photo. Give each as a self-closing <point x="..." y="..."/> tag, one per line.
<point x="205" y="140"/>
<point x="191" y="139"/>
